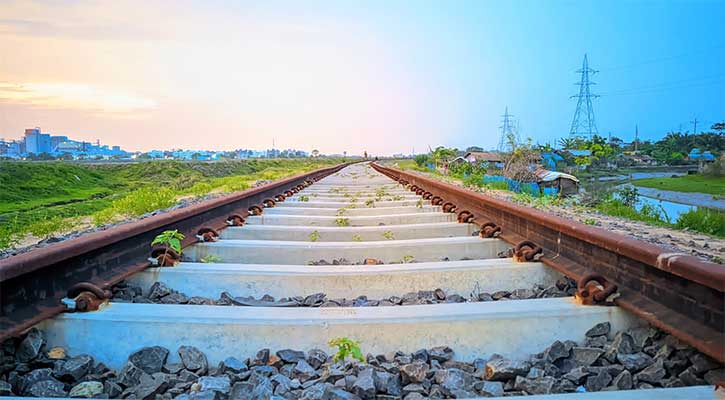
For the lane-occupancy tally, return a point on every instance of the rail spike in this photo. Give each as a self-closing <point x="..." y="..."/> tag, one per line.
<point x="489" y="230"/>
<point x="269" y="203"/>
<point x="465" y="217"/>
<point x="420" y="191"/>
<point x="288" y="193"/>
<point x="449" y="207"/>
<point x="436" y="200"/>
<point x="207" y="234"/>
<point x="235" y="220"/>
<point x="527" y="250"/>
<point x="164" y="256"/>
<point x="427" y="195"/>
<point x="255" y="210"/>
<point x="595" y="289"/>
<point x="279" y="197"/>
<point x="85" y="296"/>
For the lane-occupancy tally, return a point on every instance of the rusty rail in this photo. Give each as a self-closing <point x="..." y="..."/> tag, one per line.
<point x="33" y="283"/>
<point x="677" y="293"/>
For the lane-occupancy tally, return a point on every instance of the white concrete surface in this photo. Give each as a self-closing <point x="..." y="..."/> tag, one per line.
<point x="374" y="220"/>
<point x="389" y="251"/>
<point x="352" y="212"/>
<point x="360" y="199"/>
<point x="374" y="281"/>
<point x="515" y="328"/>
<point x="340" y="204"/>
<point x="345" y="234"/>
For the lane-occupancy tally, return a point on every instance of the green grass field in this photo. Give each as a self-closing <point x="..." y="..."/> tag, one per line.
<point x="44" y="199"/>
<point x="688" y="184"/>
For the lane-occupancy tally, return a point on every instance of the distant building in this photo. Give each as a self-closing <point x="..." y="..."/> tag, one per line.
<point x="36" y="142"/>
<point x="479" y="157"/>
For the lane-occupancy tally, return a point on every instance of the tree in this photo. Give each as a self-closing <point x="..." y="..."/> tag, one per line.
<point x="315" y="153"/>
<point x="473" y="148"/>
<point x="718" y="126"/>
<point x="442" y="155"/>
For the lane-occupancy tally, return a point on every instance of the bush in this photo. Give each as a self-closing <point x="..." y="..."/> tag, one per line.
<point x="703" y="220"/>
<point x="422" y="160"/>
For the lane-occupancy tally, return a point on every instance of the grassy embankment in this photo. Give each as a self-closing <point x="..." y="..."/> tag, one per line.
<point x="714" y="185"/>
<point x="47" y="199"/>
<point x="702" y="220"/>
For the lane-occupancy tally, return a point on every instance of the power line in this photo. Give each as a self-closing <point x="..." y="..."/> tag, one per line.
<point x="584" y="124"/>
<point x="684" y="83"/>
<point x="664" y="59"/>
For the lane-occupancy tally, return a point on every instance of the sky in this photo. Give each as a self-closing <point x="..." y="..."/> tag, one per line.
<point x="378" y="76"/>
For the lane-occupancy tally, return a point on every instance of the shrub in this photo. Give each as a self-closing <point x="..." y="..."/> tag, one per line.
<point x="703" y="220"/>
<point x="422" y="160"/>
<point x="346" y="347"/>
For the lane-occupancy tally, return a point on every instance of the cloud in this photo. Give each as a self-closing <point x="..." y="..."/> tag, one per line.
<point x="62" y="95"/>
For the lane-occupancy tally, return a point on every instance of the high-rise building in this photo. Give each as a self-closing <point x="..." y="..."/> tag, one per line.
<point x="36" y="142"/>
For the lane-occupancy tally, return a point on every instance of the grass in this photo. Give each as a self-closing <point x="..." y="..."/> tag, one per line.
<point x="687" y="183"/>
<point x="47" y="199"/>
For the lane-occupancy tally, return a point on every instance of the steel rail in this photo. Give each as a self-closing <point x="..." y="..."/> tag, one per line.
<point x="33" y="283"/>
<point x="677" y="293"/>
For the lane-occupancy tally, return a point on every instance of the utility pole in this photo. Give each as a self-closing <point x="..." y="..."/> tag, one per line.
<point x="584" y="123"/>
<point x="506" y="131"/>
<point x="636" y="138"/>
<point x="694" y="126"/>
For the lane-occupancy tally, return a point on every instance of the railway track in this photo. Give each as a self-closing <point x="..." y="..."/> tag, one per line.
<point x="443" y="292"/>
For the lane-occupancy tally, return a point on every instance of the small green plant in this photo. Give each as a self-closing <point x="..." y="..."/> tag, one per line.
<point x="340" y="212"/>
<point x="380" y="192"/>
<point x="408" y="259"/>
<point x="170" y="239"/>
<point x="304" y="198"/>
<point x="314" y="236"/>
<point x="342" y="222"/>
<point x="356" y="238"/>
<point x="419" y="203"/>
<point x="346" y="348"/>
<point x="398" y="198"/>
<point x="389" y="235"/>
<point x="210" y="258"/>
<point x="370" y="203"/>
<point x="590" y="221"/>
<point x="717" y="260"/>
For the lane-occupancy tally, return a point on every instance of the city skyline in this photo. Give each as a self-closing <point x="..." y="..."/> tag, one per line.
<point x="341" y="77"/>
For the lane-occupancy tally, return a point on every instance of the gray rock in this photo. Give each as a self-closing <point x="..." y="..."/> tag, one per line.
<point x="31" y="378"/>
<point x="451" y="380"/>
<point x="523" y="294"/>
<point x="535" y="386"/>
<point x="440" y="353"/>
<point x="489" y="388"/>
<point x="241" y="391"/>
<point x="714" y="376"/>
<point x="30" y="346"/>
<point x="414" y="396"/>
<point x="220" y="384"/>
<point x="263" y="387"/>
<point x="535" y="372"/>
<point x="88" y="389"/>
<point x="702" y="363"/>
<point x="414" y="372"/>
<point x="420" y="355"/>
<point x="5" y="389"/>
<point x="314" y="299"/>
<point x="316" y="358"/>
<point x="462" y="393"/>
<point x="690" y="378"/>
<point x="304" y="371"/>
<point x="173" y="368"/>
<point x="622" y="344"/>
<point x="623" y="381"/>
<point x="233" y="365"/>
<point x="635" y="362"/>
<point x="315" y="392"/>
<point x="598" y="382"/>
<point x="149" y="386"/>
<point x="76" y="368"/>
<point x="175" y="298"/>
<point x="576" y="375"/>
<point x="149" y="359"/>
<point x="364" y="385"/>
<point x="112" y="389"/>
<point x="596" y="341"/>
<point x="585" y="356"/>
<point x="130" y="375"/>
<point x="158" y="290"/>
<point x="503" y="369"/>
<point x="653" y="373"/>
<point x="556" y="351"/>
<point x="599" y="329"/>
<point x="48" y="388"/>
<point x="672" y="382"/>
<point x="262" y="357"/>
<point x="641" y="337"/>
<point x="188" y="376"/>
<point x="291" y="356"/>
<point x="334" y="393"/>
<point x="193" y="359"/>
<point x="388" y="383"/>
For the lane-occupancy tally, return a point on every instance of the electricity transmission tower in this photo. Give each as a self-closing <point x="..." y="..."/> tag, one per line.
<point x="584" y="124"/>
<point x="508" y="132"/>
